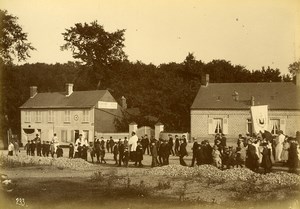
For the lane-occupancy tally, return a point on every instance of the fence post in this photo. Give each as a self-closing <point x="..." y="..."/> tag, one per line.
<point x="159" y="127"/>
<point x="132" y="127"/>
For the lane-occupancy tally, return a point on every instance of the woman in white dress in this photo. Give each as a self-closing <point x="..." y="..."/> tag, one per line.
<point x="279" y="146"/>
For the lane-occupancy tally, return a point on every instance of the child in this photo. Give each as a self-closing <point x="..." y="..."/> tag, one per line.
<point x="59" y="151"/>
<point x="126" y="155"/>
<point x="216" y="155"/>
<point x="154" y="154"/>
<point x="139" y="155"/>
<point x="27" y="147"/>
<point x="44" y="148"/>
<point x="240" y="161"/>
<point x="47" y="148"/>
<point x="102" y="154"/>
<point x="84" y="152"/>
<point x="11" y="149"/>
<point x="32" y="148"/>
<point x="52" y="149"/>
<point x="115" y="151"/>
<point x="71" y="150"/>
<point x="91" y="150"/>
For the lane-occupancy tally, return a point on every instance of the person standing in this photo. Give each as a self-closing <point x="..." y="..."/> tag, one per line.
<point x="216" y="155"/>
<point x="55" y="142"/>
<point x="111" y="144"/>
<point x="71" y="150"/>
<point x="52" y="149"/>
<point x="97" y="148"/>
<point x="132" y="146"/>
<point x="121" y="152"/>
<point x="102" y="154"/>
<point x="293" y="160"/>
<point x="177" y="144"/>
<point x="171" y="144"/>
<point x="266" y="158"/>
<point x="38" y="147"/>
<point x="139" y="155"/>
<point x="115" y="152"/>
<point x="11" y="149"/>
<point x="182" y="151"/>
<point x="279" y="146"/>
<point x="59" y="151"/>
<point x="16" y="147"/>
<point x="27" y="147"/>
<point x="32" y="148"/>
<point x="154" y="154"/>
<point x="147" y="144"/>
<point x="194" y="149"/>
<point x="107" y="145"/>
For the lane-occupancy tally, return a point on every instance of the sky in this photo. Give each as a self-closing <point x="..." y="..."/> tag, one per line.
<point x="252" y="33"/>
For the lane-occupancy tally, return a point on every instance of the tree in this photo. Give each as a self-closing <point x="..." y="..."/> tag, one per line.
<point x="13" y="41"/>
<point x="294" y="68"/>
<point x="93" y="45"/>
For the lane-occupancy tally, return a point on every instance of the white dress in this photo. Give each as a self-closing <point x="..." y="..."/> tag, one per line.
<point x="279" y="147"/>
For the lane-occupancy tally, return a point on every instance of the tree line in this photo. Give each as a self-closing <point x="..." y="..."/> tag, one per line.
<point x="162" y="92"/>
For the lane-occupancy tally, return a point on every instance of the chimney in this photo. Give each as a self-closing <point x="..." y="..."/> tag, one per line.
<point x="298" y="78"/>
<point x="252" y="101"/>
<point x="69" y="89"/>
<point x="33" y="91"/>
<point x="235" y="96"/>
<point x="124" y="103"/>
<point x="205" y="80"/>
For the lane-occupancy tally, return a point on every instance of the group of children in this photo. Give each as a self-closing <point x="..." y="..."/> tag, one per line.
<point x="36" y="147"/>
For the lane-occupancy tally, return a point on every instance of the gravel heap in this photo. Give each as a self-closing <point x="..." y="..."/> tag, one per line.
<point x="19" y="161"/>
<point x="234" y="174"/>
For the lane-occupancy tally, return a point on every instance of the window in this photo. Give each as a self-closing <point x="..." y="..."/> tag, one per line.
<point x="218" y="125"/>
<point x="249" y="126"/>
<point x="85" y="116"/>
<point x="274" y="126"/>
<point x="38" y="116"/>
<point x="67" y="116"/>
<point x="85" y="134"/>
<point x="27" y="116"/>
<point x="64" y="135"/>
<point x="50" y="116"/>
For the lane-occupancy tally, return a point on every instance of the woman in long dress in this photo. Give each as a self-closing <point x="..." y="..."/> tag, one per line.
<point x="279" y="146"/>
<point x="285" y="150"/>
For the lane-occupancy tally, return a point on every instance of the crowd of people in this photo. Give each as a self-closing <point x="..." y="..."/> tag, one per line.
<point x="259" y="150"/>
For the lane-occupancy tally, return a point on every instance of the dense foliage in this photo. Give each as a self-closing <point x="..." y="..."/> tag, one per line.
<point x="165" y="91"/>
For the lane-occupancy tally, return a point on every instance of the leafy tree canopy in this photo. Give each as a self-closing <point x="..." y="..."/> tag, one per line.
<point x="93" y="45"/>
<point x="13" y="41"/>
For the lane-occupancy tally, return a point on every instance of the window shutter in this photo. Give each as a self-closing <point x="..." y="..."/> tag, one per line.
<point x="282" y="125"/>
<point x="210" y="126"/>
<point x="270" y="125"/>
<point x="225" y="125"/>
<point x="72" y="136"/>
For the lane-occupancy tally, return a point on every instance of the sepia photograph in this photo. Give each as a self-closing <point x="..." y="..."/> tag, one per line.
<point x="145" y="104"/>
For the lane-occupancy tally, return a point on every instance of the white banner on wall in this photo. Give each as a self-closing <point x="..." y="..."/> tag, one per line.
<point x="260" y="118"/>
<point x="107" y="105"/>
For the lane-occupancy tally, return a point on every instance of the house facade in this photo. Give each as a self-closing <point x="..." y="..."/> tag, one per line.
<point x="225" y="108"/>
<point x="68" y="114"/>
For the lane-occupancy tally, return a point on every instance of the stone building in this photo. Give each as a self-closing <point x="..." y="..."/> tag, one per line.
<point x="68" y="114"/>
<point x="225" y="108"/>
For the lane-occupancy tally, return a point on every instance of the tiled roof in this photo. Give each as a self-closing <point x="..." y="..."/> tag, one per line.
<point x="78" y="99"/>
<point x="279" y="96"/>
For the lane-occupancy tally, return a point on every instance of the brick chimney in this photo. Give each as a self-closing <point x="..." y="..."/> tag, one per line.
<point x="205" y="80"/>
<point x="33" y="91"/>
<point x="252" y="101"/>
<point x="124" y="103"/>
<point x="69" y="89"/>
<point x="235" y="96"/>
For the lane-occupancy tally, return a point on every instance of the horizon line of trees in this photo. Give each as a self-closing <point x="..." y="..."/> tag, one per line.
<point x="165" y="91"/>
